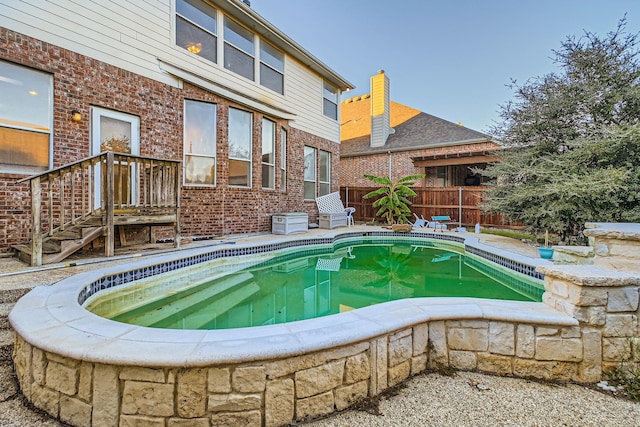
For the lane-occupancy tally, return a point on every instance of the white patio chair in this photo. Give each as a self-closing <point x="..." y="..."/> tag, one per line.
<point x="420" y="222"/>
<point x="332" y="212"/>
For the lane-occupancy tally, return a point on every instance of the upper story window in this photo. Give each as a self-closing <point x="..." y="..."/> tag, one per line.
<point x="330" y="101"/>
<point x="200" y="143"/>
<point x="239" y="49"/>
<point x="268" y="154"/>
<point x="196" y="28"/>
<point x="197" y="31"/>
<point x="240" y="147"/>
<point x="26" y="115"/>
<point x="271" y="68"/>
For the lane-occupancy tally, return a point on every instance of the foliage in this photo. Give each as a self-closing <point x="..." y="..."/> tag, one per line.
<point x="394" y="203"/>
<point x="508" y="233"/>
<point x="572" y="140"/>
<point x="626" y="376"/>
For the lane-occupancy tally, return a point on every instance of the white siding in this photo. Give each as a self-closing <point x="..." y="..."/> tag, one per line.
<point x="304" y="92"/>
<point x="133" y="35"/>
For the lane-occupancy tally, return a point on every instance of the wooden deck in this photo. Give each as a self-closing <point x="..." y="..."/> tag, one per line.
<point x="97" y="197"/>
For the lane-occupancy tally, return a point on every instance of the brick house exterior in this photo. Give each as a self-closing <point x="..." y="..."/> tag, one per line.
<point x="384" y="138"/>
<point x="136" y="74"/>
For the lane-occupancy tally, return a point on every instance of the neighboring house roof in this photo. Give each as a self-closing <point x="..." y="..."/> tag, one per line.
<point x="413" y="129"/>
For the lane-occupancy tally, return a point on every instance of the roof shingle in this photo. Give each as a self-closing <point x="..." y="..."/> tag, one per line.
<point x="413" y="129"/>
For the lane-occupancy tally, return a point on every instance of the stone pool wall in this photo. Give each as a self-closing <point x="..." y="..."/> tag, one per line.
<point x="274" y="393"/>
<point x="589" y="324"/>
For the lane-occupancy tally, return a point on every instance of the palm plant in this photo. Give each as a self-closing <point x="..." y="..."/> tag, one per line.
<point x="394" y="203"/>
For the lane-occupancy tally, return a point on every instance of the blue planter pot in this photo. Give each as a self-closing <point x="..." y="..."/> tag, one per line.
<point x="546" y="253"/>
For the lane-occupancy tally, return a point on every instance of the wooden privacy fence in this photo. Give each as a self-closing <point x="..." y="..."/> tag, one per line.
<point x="431" y="201"/>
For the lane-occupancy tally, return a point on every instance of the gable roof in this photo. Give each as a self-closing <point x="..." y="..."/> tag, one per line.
<point x="413" y="129"/>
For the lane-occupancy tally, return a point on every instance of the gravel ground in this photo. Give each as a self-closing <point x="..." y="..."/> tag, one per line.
<point x="473" y="399"/>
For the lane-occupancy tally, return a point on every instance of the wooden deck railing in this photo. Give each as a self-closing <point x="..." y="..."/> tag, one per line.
<point x="432" y="201"/>
<point x="105" y="186"/>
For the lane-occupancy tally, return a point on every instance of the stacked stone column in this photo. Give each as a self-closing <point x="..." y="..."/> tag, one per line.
<point x="603" y="297"/>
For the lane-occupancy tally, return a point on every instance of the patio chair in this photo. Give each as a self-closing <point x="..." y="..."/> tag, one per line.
<point x="350" y="211"/>
<point x="332" y="212"/>
<point x="420" y="222"/>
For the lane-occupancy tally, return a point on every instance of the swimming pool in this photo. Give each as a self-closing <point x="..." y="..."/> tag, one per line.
<point x="89" y="370"/>
<point x="330" y="279"/>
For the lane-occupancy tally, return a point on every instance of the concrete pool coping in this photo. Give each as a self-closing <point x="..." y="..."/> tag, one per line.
<point x="50" y="318"/>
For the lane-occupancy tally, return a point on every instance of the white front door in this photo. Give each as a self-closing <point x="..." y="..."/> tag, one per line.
<point x="120" y="133"/>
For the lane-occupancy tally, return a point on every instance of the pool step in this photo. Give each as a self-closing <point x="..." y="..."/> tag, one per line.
<point x="157" y="311"/>
<point x="205" y="315"/>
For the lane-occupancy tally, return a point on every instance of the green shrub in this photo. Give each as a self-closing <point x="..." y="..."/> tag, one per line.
<point x="514" y="234"/>
<point x="626" y="377"/>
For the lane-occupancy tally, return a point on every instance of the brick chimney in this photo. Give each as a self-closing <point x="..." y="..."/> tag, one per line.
<point x="380" y="115"/>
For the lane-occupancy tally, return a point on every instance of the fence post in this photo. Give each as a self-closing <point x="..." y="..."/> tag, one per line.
<point x="459" y="207"/>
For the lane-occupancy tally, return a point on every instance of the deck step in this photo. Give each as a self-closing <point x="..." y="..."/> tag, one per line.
<point x="65" y="247"/>
<point x="72" y="233"/>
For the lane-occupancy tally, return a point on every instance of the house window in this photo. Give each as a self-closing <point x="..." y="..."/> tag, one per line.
<point x="239" y="49"/>
<point x="283" y="160"/>
<point x="309" y="173"/>
<point x="268" y="154"/>
<point x="441" y="176"/>
<point x="330" y="101"/>
<point x="271" y="68"/>
<point x="324" y="174"/>
<point x="26" y="115"/>
<point x="196" y="28"/>
<point x="240" y="151"/>
<point x="200" y="143"/>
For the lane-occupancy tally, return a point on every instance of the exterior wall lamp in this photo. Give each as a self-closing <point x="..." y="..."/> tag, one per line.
<point x="76" y="116"/>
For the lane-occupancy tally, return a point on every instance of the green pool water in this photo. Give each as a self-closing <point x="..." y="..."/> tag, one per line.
<point x="290" y="288"/>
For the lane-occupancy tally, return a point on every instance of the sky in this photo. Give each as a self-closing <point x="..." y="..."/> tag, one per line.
<point x="453" y="59"/>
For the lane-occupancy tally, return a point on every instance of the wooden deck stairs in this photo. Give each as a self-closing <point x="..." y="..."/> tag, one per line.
<point x="64" y="243"/>
<point x="75" y="204"/>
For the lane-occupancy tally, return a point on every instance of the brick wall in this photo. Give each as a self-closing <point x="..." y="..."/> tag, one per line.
<point x="81" y="82"/>
<point x="352" y="169"/>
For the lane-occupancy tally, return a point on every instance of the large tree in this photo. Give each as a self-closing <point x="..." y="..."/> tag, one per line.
<point x="572" y="139"/>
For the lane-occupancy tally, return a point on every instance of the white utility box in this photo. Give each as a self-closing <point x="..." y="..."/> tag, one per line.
<point x="290" y="222"/>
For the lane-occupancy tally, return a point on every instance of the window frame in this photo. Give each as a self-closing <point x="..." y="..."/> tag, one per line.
<point x="283" y="159"/>
<point x="322" y="183"/>
<point x="329" y="88"/>
<point x="25" y="128"/>
<point x="248" y="160"/>
<point x="271" y="67"/>
<point x="191" y="153"/>
<point x="266" y="165"/>
<point x="227" y="43"/>
<point x="306" y="179"/>
<point x="213" y="32"/>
